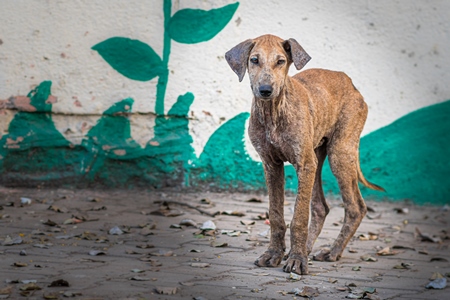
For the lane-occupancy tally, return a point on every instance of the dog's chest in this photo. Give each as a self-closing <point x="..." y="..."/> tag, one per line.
<point x="277" y="142"/>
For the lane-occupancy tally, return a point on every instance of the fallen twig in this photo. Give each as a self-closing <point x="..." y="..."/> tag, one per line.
<point x="184" y="204"/>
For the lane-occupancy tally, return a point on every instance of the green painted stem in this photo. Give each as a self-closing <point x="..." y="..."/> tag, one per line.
<point x="163" y="78"/>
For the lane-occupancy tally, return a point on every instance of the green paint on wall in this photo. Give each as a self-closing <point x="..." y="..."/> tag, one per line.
<point x="170" y="151"/>
<point x="190" y="26"/>
<point x="131" y="58"/>
<point x="112" y="150"/>
<point x="224" y="162"/>
<point x="112" y="133"/>
<point x="34" y="150"/>
<point x="409" y="158"/>
<point x="34" y="129"/>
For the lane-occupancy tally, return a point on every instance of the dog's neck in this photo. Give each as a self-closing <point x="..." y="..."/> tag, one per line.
<point x="270" y="112"/>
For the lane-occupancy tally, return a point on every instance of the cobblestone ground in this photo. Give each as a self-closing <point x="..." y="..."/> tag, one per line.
<point x="91" y="244"/>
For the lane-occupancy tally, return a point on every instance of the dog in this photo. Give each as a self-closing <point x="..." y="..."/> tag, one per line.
<point x="301" y="120"/>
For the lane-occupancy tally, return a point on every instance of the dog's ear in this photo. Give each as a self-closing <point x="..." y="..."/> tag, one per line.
<point x="237" y="57"/>
<point x="297" y="54"/>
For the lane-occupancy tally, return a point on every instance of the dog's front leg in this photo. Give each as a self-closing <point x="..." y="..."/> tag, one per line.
<point x="274" y="173"/>
<point x="298" y="256"/>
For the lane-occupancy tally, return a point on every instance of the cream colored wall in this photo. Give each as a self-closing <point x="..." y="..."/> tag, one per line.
<point x="395" y="51"/>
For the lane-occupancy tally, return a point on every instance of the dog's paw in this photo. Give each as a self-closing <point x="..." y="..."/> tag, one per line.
<point x="270" y="258"/>
<point x="325" y="254"/>
<point x="297" y="264"/>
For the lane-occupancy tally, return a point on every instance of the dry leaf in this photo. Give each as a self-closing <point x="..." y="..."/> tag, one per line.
<point x="403" y="266"/>
<point x="94" y="200"/>
<point x="58" y="209"/>
<point x="373" y="216"/>
<point x="30" y="287"/>
<point x="351" y="250"/>
<point x="58" y="283"/>
<point x="188" y="222"/>
<point x="368" y="237"/>
<point x="166" y="290"/>
<point x="87" y="236"/>
<point x="262" y="216"/>
<point x="425" y="237"/>
<point x="439" y="259"/>
<point x="387" y="251"/>
<point x="306" y="291"/>
<point x="72" y="220"/>
<point x="162" y="253"/>
<point x="20" y="264"/>
<point x="208" y="225"/>
<point x="147" y="230"/>
<point x="370" y="209"/>
<point x="166" y="211"/>
<point x="12" y="241"/>
<point x="42" y="246"/>
<point x="98" y="208"/>
<point x="436" y="275"/>
<point x="96" y="252"/>
<point x="50" y="296"/>
<point x="145" y="246"/>
<point x="7" y="290"/>
<point x="221" y="245"/>
<point x="69" y="294"/>
<point x="200" y="265"/>
<point x="137" y="271"/>
<point x="255" y="200"/>
<point x="205" y="201"/>
<point x="230" y="213"/>
<point x="49" y="223"/>
<point x="403" y="247"/>
<point x="139" y="278"/>
<point x="247" y="223"/>
<point x="368" y="258"/>
<point x="403" y="210"/>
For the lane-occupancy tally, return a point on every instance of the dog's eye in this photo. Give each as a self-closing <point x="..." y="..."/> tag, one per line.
<point x="254" y="60"/>
<point x="281" y="62"/>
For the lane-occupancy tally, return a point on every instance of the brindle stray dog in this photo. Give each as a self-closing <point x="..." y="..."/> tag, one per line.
<point x="301" y="120"/>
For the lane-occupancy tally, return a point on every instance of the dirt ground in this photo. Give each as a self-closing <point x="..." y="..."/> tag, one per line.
<point x="91" y="244"/>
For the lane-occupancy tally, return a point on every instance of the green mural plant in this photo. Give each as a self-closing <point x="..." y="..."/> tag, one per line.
<point x="169" y="155"/>
<point x="138" y="61"/>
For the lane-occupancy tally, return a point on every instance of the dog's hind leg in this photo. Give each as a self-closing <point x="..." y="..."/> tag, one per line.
<point x="319" y="206"/>
<point x="343" y="156"/>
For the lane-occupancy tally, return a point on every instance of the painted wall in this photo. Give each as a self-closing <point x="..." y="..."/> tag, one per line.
<point x="137" y="93"/>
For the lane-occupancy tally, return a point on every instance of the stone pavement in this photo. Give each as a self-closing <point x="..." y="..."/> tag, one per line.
<point x="122" y="245"/>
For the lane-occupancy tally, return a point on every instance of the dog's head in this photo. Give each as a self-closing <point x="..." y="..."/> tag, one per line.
<point x="267" y="59"/>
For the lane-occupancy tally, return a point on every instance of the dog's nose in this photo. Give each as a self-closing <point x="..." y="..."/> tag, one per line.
<point x="265" y="90"/>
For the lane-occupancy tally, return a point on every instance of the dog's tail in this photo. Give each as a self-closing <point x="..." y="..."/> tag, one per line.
<point x="367" y="183"/>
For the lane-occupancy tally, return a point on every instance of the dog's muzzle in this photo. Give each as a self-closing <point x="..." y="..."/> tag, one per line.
<point x="265" y="91"/>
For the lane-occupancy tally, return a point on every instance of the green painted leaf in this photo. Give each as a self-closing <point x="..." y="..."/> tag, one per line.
<point x="190" y="26"/>
<point x="131" y="58"/>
